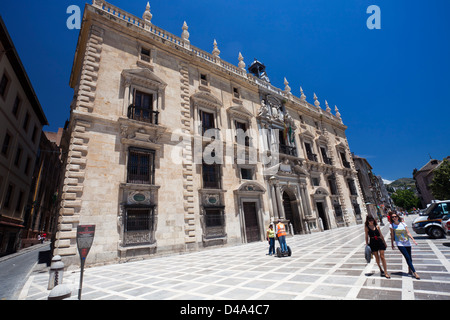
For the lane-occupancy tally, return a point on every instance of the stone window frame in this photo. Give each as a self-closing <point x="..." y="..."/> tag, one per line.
<point x="146" y="81"/>
<point x="143" y="63"/>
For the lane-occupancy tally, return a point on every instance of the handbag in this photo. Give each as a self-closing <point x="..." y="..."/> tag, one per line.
<point x="368" y="253"/>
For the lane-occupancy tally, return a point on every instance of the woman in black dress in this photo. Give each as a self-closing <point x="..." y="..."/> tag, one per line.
<point x="375" y="240"/>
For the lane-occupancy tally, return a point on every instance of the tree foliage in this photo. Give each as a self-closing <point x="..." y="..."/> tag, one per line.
<point x="440" y="186"/>
<point x="405" y="199"/>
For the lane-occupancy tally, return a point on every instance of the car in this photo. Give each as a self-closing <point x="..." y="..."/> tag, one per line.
<point x="422" y="212"/>
<point x="431" y="222"/>
<point x="446" y="225"/>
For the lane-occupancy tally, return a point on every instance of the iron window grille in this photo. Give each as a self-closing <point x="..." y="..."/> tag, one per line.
<point x="141" y="166"/>
<point x="139" y="219"/>
<point x="211" y="176"/>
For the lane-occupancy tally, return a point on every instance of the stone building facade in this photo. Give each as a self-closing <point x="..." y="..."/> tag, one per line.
<point x="172" y="149"/>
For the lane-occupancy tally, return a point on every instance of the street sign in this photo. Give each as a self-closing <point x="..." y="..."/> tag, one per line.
<point x="85" y="237"/>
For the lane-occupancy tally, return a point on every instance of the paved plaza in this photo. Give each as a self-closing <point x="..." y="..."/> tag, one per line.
<point x="326" y="265"/>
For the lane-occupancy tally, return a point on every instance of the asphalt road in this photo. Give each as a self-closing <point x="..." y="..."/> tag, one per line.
<point x="15" y="269"/>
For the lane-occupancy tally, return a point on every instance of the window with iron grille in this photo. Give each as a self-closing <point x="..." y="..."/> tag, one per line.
<point x="213" y="217"/>
<point x="352" y="187"/>
<point x="211" y="176"/>
<point x="139" y="219"/>
<point x="141" y="166"/>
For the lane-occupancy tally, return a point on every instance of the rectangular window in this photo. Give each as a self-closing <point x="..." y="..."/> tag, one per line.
<point x="139" y="219"/>
<point x="352" y="187"/>
<point x="344" y="160"/>
<point x="309" y="153"/>
<point x="15" y="109"/>
<point x="3" y="85"/>
<point x="139" y="225"/>
<point x="315" y="181"/>
<point x="6" y="144"/>
<point x="241" y="133"/>
<point x="8" y="196"/>
<point x="207" y="119"/>
<point x="142" y="108"/>
<point x="19" y="202"/>
<point x="246" y="174"/>
<point x="325" y="156"/>
<point x="213" y="217"/>
<point x="333" y="186"/>
<point x="203" y="79"/>
<point x="18" y="156"/>
<point x="145" y="55"/>
<point x="211" y="176"/>
<point x="236" y="92"/>
<point x="26" y="122"/>
<point x="141" y="166"/>
<point x="34" y="135"/>
<point x="27" y="166"/>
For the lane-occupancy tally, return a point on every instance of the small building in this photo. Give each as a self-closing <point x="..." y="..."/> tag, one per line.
<point x="424" y="178"/>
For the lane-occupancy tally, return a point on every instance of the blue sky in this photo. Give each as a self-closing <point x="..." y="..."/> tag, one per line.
<point x="390" y="85"/>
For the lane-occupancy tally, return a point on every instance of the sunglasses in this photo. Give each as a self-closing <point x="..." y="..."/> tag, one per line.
<point x="394" y="217"/>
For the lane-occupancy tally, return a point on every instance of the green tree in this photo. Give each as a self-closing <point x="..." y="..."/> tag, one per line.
<point x="405" y="199"/>
<point x="440" y="186"/>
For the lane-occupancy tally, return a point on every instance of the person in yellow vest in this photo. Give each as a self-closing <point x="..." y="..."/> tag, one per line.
<point x="281" y="234"/>
<point x="270" y="236"/>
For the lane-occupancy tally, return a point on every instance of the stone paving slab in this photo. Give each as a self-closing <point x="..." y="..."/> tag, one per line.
<point x="328" y="265"/>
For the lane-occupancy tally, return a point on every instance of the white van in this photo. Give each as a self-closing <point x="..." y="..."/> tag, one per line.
<point x="430" y="223"/>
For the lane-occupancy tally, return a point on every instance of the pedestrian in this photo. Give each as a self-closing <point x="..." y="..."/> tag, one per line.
<point x="281" y="234"/>
<point x="401" y="235"/>
<point x="270" y="236"/>
<point x="376" y="242"/>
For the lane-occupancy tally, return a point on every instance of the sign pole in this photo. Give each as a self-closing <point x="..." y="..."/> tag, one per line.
<point x="81" y="279"/>
<point x="85" y="237"/>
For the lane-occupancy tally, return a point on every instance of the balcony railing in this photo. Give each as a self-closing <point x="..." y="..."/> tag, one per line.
<point x="290" y="151"/>
<point x="143" y="114"/>
<point x="327" y="160"/>
<point x="312" y="156"/>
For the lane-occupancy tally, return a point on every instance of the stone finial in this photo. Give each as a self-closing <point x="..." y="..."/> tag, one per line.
<point x="328" y="107"/>
<point x="302" y="97"/>
<point x="338" y="115"/>
<point x="316" y="101"/>
<point x="216" y="50"/>
<point x="147" y="16"/>
<point x="97" y="3"/>
<point x="241" y="61"/>
<point x="287" y="89"/>
<point x="185" y="33"/>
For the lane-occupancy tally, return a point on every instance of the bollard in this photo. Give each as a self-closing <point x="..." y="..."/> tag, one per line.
<point x="60" y="292"/>
<point x="56" y="273"/>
